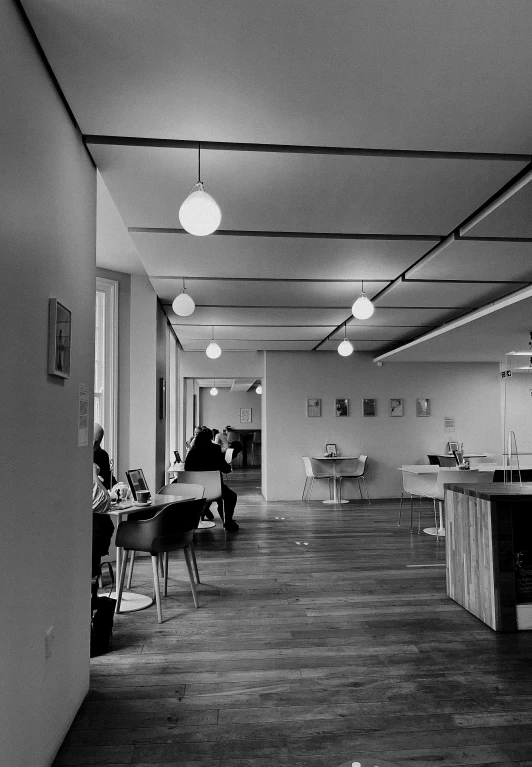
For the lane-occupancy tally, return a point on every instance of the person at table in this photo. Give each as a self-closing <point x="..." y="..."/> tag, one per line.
<point x="204" y="455"/>
<point x="220" y="439"/>
<point x="197" y="430"/>
<point x="101" y="458"/>
<point x="102" y="526"/>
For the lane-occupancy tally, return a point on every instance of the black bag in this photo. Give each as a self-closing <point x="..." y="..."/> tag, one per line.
<point x="102" y="616"/>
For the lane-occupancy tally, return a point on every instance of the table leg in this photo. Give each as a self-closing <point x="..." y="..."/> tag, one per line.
<point x="440" y="532"/>
<point x="335" y="498"/>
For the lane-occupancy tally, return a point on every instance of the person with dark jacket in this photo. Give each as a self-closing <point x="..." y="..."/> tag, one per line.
<point x="102" y="526"/>
<point x="204" y="455"/>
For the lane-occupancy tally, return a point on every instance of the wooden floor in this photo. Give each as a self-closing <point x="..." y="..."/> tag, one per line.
<point x="324" y="635"/>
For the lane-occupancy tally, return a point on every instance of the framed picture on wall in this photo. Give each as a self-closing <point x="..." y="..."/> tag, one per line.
<point x="369" y="406"/>
<point x="245" y="415"/>
<point x="313" y="408"/>
<point x="422" y="407"/>
<point x="59" y="338"/>
<point x="341" y="407"/>
<point x="396" y="406"/>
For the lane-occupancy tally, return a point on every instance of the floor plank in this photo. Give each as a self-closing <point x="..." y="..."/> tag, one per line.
<point x="307" y="655"/>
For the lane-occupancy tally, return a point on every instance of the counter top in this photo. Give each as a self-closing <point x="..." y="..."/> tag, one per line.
<point x="493" y="490"/>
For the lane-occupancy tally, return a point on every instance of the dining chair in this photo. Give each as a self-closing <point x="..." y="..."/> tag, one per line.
<point x="174" y="488"/>
<point x="447" y="461"/>
<point x="353" y="468"/>
<point x="211" y="481"/>
<point x="416" y="486"/>
<point x="315" y="469"/>
<point x="171" y="529"/>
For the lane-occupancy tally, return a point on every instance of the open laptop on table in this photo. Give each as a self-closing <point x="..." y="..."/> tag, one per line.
<point x="137" y="481"/>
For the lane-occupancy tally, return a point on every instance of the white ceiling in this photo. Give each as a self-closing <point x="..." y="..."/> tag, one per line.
<point x="440" y="91"/>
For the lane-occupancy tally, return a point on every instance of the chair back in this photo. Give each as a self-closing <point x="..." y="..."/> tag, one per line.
<point x="211" y="481"/>
<point x="351" y="467"/>
<point x="320" y="468"/>
<point x="182" y="488"/>
<point x="447" y="461"/>
<point x="228" y="455"/>
<point x="171" y="528"/>
<point x="433" y="460"/>
<point x="308" y="466"/>
<point x="456" y="476"/>
<point x="420" y="484"/>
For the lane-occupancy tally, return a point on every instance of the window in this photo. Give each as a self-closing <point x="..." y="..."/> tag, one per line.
<point x="106" y="360"/>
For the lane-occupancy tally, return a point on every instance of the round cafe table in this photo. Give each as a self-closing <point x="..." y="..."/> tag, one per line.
<point x="334" y="460"/>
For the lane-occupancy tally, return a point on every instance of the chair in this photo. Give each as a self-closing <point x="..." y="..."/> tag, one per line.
<point x="171" y="529"/>
<point x="173" y="488"/>
<point x="211" y="481"/>
<point x="315" y="469"/>
<point x="419" y="486"/>
<point x="433" y="460"/>
<point x="353" y="469"/>
<point x="447" y="461"/>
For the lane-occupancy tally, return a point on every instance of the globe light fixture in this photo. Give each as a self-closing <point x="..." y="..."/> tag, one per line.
<point x="200" y="214"/>
<point x="362" y="308"/>
<point x="259" y="389"/>
<point x="213" y="351"/>
<point x="345" y="348"/>
<point x="183" y="304"/>
<point x="214" y="390"/>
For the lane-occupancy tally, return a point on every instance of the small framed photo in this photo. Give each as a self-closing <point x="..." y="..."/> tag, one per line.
<point x="245" y="415"/>
<point x="396" y="406"/>
<point x="330" y="449"/>
<point x="422" y="407"/>
<point x="452" y="446"/>
<point x="369" y="407"/>
<point x="313" y="408"/>
<point x="342" y="407"/>
<point x="59" y="339"/>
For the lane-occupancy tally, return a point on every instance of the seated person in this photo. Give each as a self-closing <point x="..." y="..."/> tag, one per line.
<point x="220" y="439"/>
<point x="102" y="526"/>
<point x="190" y="442"/>
<point x="204" y="455"/>
<point x="101" y="458"/>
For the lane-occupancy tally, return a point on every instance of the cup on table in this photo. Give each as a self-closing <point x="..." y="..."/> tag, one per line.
<point x="143" y="496"/>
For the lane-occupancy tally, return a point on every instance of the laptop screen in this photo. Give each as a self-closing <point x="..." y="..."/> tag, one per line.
<point x="137" y="481"/>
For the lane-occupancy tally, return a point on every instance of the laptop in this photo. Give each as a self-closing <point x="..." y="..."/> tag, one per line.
<point x="137" y="481"/>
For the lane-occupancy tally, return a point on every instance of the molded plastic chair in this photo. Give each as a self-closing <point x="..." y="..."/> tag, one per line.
<point x="183" y="488"/>
<point x="353" y="469"/>
<point x="419" y="486"/>
<point x="171" y="529"/>
<point x="211" y="481"/>
<point x="447" y="462"/>
<point x="315" y="469"/>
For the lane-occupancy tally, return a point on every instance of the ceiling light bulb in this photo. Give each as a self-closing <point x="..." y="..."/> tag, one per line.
<point x="183" y="304"/>
<point x="214" y="391"/>
<point x="200" y="214"/>
<point x="259" y="389"/>
<point x="213" y="350"/>
<point x="363" y="308"/>
<point x="345" y="348"/>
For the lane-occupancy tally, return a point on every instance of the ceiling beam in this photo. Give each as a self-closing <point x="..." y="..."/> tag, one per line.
<point x="289" y="235"/>
<point x="229" y="146"/>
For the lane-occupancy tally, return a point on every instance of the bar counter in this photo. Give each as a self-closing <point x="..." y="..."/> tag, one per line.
<point x="489" y="552"/>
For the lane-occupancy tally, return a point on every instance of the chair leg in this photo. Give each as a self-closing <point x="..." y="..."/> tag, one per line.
<point x="165" y="556"/>
<point x="130" y="573"/>
<point x="400" y="509"/>
<point x="305" y="488"/>
<point x="310" y="489"/>
<point x="194" y="563"/>
<point x="155" y="568"/>
<point x="363" y="478"/>
<point x="191" y="576"/>
<point x="122" y="578"/>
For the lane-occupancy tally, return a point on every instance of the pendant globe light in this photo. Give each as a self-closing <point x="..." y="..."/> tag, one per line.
<point x="214" y="390"/>
<point x="362" y="308"/>
<point x="200" y="214"/>
<point x="259" y="389"/>
<point x="345" y="348"/>
<point x="183" y="304"/>
<point x="213" y="351"/>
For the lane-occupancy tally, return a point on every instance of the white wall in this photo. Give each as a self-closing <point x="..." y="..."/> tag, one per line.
<point x="224" y="409"/>
<point x="47" y="242"/>
<point x="469" y="392"/>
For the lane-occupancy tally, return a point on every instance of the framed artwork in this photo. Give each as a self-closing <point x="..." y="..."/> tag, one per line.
<point x="342" y="407"/>
<point x="59" y="339"/>
<point x="369" y="407"/>
<point x="245" y="415"/>
<point x="452" y="446"/>
<point x="396" y="406"/>
<point x="422" y="407"/>
<point x="330" y="449"/>
<point x="162" y="398"/>
<point x="313" y="408"/>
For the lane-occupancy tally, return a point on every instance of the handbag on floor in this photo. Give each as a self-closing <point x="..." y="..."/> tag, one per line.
<point x="102" y="616"/>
